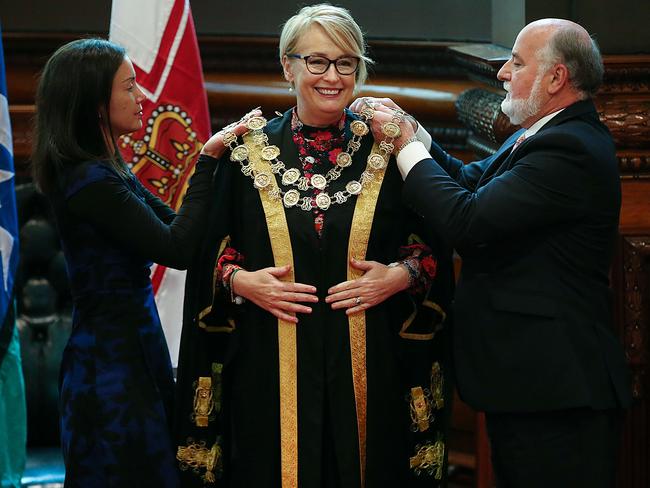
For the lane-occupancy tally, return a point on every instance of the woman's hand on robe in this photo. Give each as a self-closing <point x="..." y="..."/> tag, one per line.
<point x="378" y="283"/>
<point x="215" y="146"/>
<point x="266" y="290"/>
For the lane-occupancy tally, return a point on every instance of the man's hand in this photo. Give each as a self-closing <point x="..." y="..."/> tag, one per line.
<point x="386" y="110"/>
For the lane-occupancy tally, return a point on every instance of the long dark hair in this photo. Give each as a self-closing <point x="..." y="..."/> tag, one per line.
<point x="74" y="89"/>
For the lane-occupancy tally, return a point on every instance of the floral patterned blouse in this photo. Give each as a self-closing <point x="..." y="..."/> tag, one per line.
<point x="318" y="148"/>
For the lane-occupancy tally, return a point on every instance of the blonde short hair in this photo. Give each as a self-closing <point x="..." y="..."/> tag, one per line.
<point x="337" y="23"/>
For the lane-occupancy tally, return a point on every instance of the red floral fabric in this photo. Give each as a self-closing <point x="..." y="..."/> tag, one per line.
<point x="318" y="148"/>
<point x="229" y="261"/>
<point x="419" y="258"/>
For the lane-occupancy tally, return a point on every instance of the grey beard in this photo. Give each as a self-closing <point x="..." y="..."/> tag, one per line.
<point x="524" y="108"/>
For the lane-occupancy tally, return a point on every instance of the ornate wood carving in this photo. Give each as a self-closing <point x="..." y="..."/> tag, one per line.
<point x="636" y="310"/>
<point x="481" y="111"/>
<point x="634" y="165"/>
<point x="628" y="119"/>
<point x="626" y="74"/>
<point x="632" y="280"/>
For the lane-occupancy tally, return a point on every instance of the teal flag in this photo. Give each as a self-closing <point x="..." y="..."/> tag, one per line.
<point x="13" y="417"/>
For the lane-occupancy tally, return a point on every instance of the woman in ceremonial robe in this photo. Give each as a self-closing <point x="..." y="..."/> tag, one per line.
<point x="314" y="343"/>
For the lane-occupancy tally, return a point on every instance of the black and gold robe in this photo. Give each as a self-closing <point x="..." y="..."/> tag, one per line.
<point x="334" y="401"/>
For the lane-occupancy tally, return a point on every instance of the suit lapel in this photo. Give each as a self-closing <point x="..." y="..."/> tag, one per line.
<point x="498" y="164"/>
<point x="505" y="156"/>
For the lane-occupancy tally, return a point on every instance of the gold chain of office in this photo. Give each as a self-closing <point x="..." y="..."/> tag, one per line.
<point x="293" y="177"/>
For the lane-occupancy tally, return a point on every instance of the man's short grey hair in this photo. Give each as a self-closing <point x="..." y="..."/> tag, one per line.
<point x="581" y="57"/>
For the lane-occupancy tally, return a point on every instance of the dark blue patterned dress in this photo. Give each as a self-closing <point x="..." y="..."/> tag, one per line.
<point x="116" y="381"/>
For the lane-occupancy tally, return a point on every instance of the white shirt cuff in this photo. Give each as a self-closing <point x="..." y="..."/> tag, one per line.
<point x="410" y="155"/>
<point x="423" y="136"/>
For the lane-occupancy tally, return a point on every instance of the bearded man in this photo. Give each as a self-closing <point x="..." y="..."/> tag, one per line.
<point x="535" y="225"/>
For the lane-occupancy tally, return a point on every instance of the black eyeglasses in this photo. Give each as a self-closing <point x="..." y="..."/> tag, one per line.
<point x="317" y="65"/>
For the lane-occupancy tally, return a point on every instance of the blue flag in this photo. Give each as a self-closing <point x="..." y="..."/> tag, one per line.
<point x="8" y="217"/>
<point x="13" y="415"/>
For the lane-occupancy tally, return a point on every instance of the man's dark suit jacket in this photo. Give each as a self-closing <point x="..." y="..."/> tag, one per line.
<point x="535" y="228"/>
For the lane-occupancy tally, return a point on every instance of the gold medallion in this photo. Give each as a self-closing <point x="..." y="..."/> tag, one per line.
<point x="359" y="128"/>
<point x="343" y="160"/>
<point x="269" y="153"/>
<point x="318" y="181"/>
<point x="376" y="161"/>
<point x="290" y="176"/>
<point x="256" y="123"/>
<point x="391" y="129"/>
<point x="262" y="180"/>
<point x="353" y="187"/>
<point x="291" y="198"/>
<point x="239" y="154"/>
<point x="323" y="201"/>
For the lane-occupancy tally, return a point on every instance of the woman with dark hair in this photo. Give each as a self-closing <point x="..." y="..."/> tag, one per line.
<point x="116" y="384"/>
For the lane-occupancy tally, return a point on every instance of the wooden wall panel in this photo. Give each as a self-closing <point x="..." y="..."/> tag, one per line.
<point x="632" y="282"/>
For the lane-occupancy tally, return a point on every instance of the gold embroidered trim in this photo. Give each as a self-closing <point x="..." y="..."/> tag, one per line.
<point x="429" y="459"/>
<point x="437" y="386"/>
<point x="421" y="412"/>
<point x="287" y="343"/>
<point x="231" y="323"/>
<point x="203" y="404"/>
<point x="196" y="456"/>
<point x="228" y="328"/>
<point x="364" y="212"/>
<point x="423" y="337"/>
<point x="217" y="369"/>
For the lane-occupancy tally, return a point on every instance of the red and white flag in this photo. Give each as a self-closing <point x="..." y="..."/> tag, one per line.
<point x="160" y="40"/>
